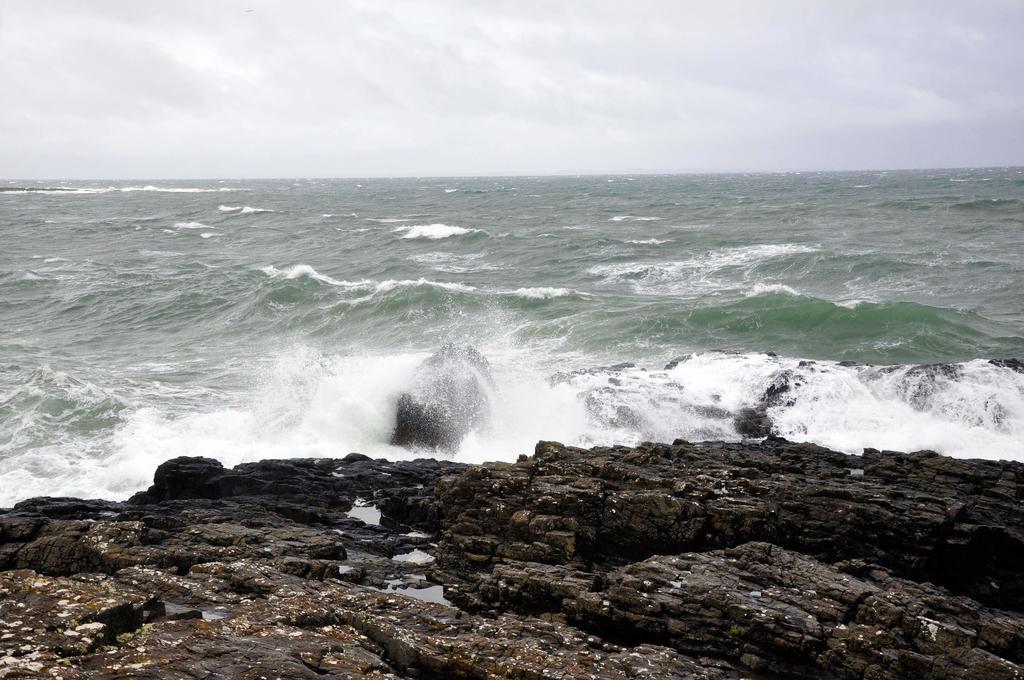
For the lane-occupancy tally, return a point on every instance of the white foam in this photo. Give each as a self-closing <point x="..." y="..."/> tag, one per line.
<point x="304" y="271"/>
<point x="64" y="191"/>
<point x="388" y="220"/>
<point x="242" y="209"/>
<point x="634" y="218"/>
<point x="209" y="234"/>
<point x="762" y="288"/>
<point x="541" y="293"/>
<point x="310" y="404"/>
<point x="707" y="271"/>
<point x="980" y="414"/>
<point x="305" y="404"/>
<point x="178" y="190"/>
<point x="190" y="225"/>
<point x="392" y="284"/>
<point x="433" y="231"/>
<point x="650" y="241"/>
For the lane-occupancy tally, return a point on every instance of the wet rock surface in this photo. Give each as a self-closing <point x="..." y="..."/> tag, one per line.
<point x="754" y="560"/>
<point x="447" y="400"/>
<point x="782" y="558"/>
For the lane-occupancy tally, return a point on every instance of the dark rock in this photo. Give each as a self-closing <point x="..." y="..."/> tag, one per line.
<point x="256" y="622"/>
<point x="919" y="383"/>
<point x="448" y="399"/>
<point x="753" y="423"/>
<point x="1013" y="364"/>
<point x="784" y="612"/>
<point x="715" y="560"/>
<point x="652" y="544"/>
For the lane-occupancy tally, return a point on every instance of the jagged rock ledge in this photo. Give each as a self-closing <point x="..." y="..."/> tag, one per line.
<point x="711" y="560"/>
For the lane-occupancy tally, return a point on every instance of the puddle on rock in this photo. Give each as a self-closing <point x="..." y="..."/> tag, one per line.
<point x="365" y="511"/>
<point x="432" y="593"/>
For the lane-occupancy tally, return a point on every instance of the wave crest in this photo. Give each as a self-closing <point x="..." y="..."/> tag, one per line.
<point x="242" y="209"/>
<point x="542" y="293"/>
<point x="434" y="231"/>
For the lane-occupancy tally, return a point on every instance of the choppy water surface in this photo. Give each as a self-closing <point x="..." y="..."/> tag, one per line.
<point x="251" y="319"/>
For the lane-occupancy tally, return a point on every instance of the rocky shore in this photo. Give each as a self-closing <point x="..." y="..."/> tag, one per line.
<point x="713" y="560"/>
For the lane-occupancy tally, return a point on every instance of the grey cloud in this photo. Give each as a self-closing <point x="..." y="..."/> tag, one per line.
<point x="119" y="89"/>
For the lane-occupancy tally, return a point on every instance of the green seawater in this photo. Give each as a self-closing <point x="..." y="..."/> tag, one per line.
<point x="252" y="318"/>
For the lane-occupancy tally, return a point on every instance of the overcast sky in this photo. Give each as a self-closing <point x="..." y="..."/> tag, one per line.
<point x="393" y="87"/>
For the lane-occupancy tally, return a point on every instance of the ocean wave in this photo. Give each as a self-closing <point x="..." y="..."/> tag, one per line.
<point x="697" y="273"/>
<point x="762" y="288"/>
<point x="393" y="284"/>
<point x="988" y="205"/>
<point x="309" y="402"/>
<point x="388" y="220"/>
<point x="634" y="218"/>
<point x="191" y="225"/>
<point x="209" y="234"/>
<point x="47" y="405"/>
<point x="969" y="409"/>
<point x="318" y="404"/>
<point x="434" y="231"/>
<point x="57" y="190"/>
<point x="304" y="271"/>
<point x="895" y="331"/>
<point x="542" y="293"/>
<point x="179" y="190"/>
<point x="242" y="209"/>
<point x="454" y="263"/>
<point x="650" y="241"/>
<point x="160" y="253"/>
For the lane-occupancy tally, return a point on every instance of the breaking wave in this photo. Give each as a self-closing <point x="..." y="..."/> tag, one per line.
<point x="634" y="218"/>
<point x="242" y="209"/>
<point x="434" y="231"/>
<point x="698" y="273"/>
<point x="542" y="293"/>
<point x="179" y="190"/>
<point x="317" y="404"/>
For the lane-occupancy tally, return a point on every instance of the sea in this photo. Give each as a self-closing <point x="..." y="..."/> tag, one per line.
<point x="252" y="319"/>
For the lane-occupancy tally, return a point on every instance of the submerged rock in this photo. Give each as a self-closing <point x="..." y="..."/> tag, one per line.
<point x="448" y="399"/>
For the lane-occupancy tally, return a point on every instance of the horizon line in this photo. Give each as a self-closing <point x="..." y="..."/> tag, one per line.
<point x="623" y="173"/>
